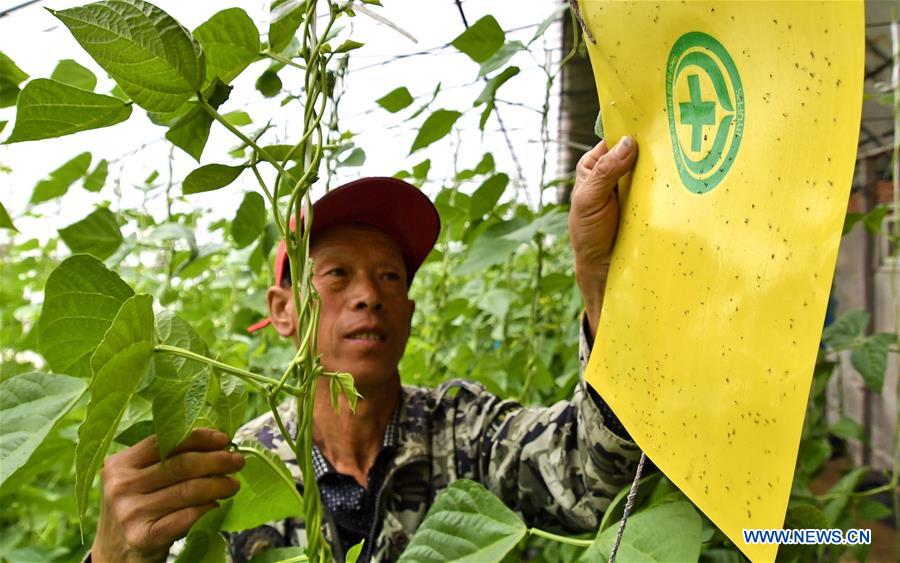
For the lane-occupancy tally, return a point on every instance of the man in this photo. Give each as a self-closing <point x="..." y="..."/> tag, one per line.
<point x="380" y="469"/>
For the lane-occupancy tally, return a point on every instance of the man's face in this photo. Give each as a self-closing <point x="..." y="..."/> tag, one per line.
<point x="365" y="314"/>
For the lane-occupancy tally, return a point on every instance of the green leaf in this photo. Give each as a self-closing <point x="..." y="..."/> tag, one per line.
<point x="190" y="131"/>
<point x="204" y="542"/>
<point x="267" y="493"/>
<point x="59" y="181"/>
<point x="426" y="105"/>
<point x="284" y="25"/>
<point x="135" y="433"/>
<point x="5" y="221"/>
<point x="870" y="359"/>
<point x="802" y="517"/>
<point x="666" y="532"/>
<point x="553" y="222"/>
<point x="97" y="234"/>
<point x="846" y="329"/>
<point x="69" y="72"/>
<point x="613" y="513"/>
<point x="81" y="300"/>
<point x="291" y="554"/>
<point x="342" y="383"/>
<point x="176" y="231"/>
<point x="481" y="40"/>
<point x="436" y="127"/>
<point x="500" y="58"/>
<point x="230" y="42"/>
<point x="805" y="516"/>
<point x="489" y="93"/>
<point x="30" y="405"/>
<point x="847" y="428"/>
<point x="598" y="125"/>
<point x="347" y="46"/>
<point x="871" y="510"/>
<point x="357" y="157"/>
<point x="169" y="118"/>
<point x="490" y="249"/>
<point x="395" y="100"/>
<point x="180" y="385"/>
<point x="354" y="552"/>
<point x="727" y="555"/>
<point x="10" y="78"/>
<point x="95" y="181"/>
<point x="486" y="196"/>
<point x="548" y="21"/>
<point x="118" y="364"/>
<point x="842" y="490"/>
<point x="874" y="218"/>
<point x="210" y="177"/>
<point x="268" y="84"/>
<point x="465" y="523"/>
<point x="420" y="171"/>
<point x="47" y="109"/>
<point x="150" y="55"/>
<point x="812" y="455"/>
<point x="249" y="221"/>
<point x="228" y="402"/>
<point x="238" y="118"/>
<point x="10" y="71"/>
<point x="486" y="164"/>
<point x="280" y="153"/>
<point x="497" y="302"/>
<point x="491" y="86"/>
<point x="850" y="221"/>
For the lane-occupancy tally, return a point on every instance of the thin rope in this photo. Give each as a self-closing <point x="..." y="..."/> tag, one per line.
<point x="628" y="504"/>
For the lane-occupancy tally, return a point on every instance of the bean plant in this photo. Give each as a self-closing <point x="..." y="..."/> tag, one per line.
<point x="93" y="325"/>
<point x="496" y="299"/>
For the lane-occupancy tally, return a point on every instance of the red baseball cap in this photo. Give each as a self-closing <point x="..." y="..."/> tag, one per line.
<point x="399" y="209"/>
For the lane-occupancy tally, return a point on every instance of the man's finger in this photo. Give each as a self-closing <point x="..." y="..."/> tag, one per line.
<point x="189" y="465"/>
<point x="142" y="454"/>
<point x="194" y="492"/>
<point x="611" y="166"/>
<point x="176" y="524"/>
<point x="203" y="440"/>
<point x="146" y="452"/>
<point x="590" y="158"/>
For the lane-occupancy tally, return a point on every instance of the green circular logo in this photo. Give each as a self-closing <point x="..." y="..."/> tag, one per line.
<point x="705" y="105"/>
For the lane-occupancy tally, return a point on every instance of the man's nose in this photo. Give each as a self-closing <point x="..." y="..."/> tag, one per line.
<point x="367" y="295"/>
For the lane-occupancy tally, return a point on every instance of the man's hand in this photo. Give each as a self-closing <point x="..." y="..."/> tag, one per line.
<point x="594" y="218"/>
<point x="148" y="503"/>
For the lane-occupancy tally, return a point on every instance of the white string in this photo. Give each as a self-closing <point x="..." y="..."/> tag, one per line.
<point x="628" y="504"/>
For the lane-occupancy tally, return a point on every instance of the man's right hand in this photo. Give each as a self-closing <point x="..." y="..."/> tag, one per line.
<point x="148" y="504"/>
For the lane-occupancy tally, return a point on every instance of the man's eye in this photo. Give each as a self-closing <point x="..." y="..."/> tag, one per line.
<point x="392" y="276"/>
<point x="339" y="272"/>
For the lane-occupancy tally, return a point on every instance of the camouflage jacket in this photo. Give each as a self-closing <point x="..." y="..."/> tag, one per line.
<point x="557" y="466"/>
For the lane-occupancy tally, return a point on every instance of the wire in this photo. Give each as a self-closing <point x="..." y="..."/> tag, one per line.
<point x="8" y="11"/>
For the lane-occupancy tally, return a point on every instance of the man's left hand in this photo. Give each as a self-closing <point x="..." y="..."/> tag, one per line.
<point x="594" y="218"/>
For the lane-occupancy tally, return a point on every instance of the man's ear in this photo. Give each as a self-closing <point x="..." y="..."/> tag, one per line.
<point x="281" y="310"/>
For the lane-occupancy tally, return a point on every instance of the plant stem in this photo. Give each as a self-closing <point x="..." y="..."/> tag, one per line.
<point x="237" y="133"/>
<point x="869" y="492"/>
<point x="283" y="60"/>
<point x="561" y="539"/>
<point x="273" y="406"/>
<point x="270" y="196"/>
<point x="249" y="377"/>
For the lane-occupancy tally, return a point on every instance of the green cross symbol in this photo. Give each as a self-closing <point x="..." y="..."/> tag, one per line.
<point x="697" y="113"/>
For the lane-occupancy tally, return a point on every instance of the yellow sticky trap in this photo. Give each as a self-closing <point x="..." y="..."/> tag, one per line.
<point x="747" y="118"/>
